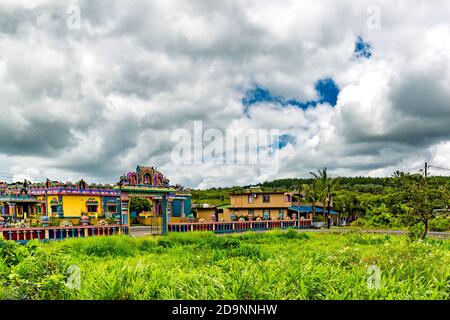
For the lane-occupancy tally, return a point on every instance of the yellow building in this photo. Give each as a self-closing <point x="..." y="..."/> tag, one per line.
<point x="271" y="205"/>
<point x="70" y="201"/>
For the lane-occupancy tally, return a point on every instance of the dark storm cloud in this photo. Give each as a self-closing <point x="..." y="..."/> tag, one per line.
<point x="418" y="114"/>
<point x="39" y="136"/>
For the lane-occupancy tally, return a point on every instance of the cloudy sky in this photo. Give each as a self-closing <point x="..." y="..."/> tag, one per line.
<point x="92" y="88"/>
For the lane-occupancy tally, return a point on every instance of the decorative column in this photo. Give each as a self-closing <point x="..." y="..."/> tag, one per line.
<point x="164" y="204"/>
<point x="60" y="207"/>
<point x="182" y="209"/>
<point x="12" y="210"/>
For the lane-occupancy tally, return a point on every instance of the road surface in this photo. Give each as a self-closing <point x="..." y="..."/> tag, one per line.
<point x="142" y="231"/>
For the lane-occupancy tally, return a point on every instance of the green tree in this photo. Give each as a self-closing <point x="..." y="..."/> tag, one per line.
<point x="422" y="199"/>
<point x="312" y="195"/>
<point x="139" y="205"/>
<point x="327" y="186"/>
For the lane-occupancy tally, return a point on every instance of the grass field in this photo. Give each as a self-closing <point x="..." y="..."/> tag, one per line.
<point x="272" y="265"/>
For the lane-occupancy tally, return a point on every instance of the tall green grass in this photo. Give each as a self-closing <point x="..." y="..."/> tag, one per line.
<point x="273" y="265"/>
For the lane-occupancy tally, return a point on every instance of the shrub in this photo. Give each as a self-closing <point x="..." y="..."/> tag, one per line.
<point x="103" y="246"/>
<point x="223" y="242"/>
<point x="319" y="218"/>
<point x="355" y="237"/>
<point x="12" y="253"/>
<point x="288" y="234"/>
<point x="166" y="243"/>
<point x="243" y="251"/>
<point x="440" y="224"/>
<point x="30" y="272"/>
<point x="189" y="237"/>
<point x="360" y="222"/>
<point x="416" y="231"/>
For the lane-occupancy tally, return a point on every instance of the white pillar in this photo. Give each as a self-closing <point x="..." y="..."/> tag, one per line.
<point x="182" y="209"/>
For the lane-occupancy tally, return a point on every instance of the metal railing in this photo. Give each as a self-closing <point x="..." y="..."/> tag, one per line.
<point x="60" y="233"/>
<point x="239" y="226"/>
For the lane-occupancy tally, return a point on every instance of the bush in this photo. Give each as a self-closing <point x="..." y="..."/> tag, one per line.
<point x="12" y="253"/>
<point x="355" y="237"/>
<point x="416" y="231"/>
<point x="223" y="242"/>
<point x="288" y="234"/>
<point x="244" y="251"/>
<point x="188" y="238"/>
<point x="103" y="246"/>
<point x="319" y="218"/>
<point x="360" y="222"/>
<point x="440" y="224"/>
<point x="29" y="272"/>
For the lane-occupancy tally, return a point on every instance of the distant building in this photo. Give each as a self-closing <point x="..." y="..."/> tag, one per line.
<point x="266" y="205"/>
<point x="256" y="203"/>
<point x="71" y="201"/>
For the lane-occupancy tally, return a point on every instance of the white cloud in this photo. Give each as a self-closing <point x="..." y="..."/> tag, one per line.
<point x="97" y="101"/>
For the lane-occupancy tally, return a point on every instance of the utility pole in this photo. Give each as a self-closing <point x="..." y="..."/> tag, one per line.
<point x="426" y="169"/>
<point x="298" y="206"/>
<point x="328" y="205"/>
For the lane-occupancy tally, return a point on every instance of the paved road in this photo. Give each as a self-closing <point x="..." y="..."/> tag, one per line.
<point x="444" y="235"/>
<point x="142" y="231"/>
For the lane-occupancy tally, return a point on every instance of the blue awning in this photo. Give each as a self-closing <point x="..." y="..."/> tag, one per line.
<point x="308" y="209"/>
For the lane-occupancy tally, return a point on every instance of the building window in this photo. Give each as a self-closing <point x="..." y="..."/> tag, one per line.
<point x="287" y="198"/>
<point x="266" y="198"/>
<point x="92" y="208"/>
<point x="111" y="208"/>
<point x="251" y="212"/>
<point x="92" y="205"/>
<point x="251" y="199"/>
<point x="54" y="208"/>
<point x="266" y="214"/>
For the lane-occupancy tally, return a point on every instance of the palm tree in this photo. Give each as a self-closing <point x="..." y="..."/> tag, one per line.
<point x="327" y="187"/>
<point x="312" y="195"/>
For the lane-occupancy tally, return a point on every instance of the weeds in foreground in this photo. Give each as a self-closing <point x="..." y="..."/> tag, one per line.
<point x="273" y="265"/>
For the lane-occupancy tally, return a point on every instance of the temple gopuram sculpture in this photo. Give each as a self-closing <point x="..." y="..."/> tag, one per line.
<point x="147" y="176"/>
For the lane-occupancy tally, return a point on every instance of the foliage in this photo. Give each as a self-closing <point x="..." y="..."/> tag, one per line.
<point x="272" y="265"/>
<point x="440" y="224"/>
<point x="422" y="199"/>
<point x="30" y="272"/>
<point x="139" y="205"/>
<point x="312" y="195"/>
<point x="416" y="231"/>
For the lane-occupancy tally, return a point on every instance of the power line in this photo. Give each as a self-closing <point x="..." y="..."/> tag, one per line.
<point x="436" y="167"/>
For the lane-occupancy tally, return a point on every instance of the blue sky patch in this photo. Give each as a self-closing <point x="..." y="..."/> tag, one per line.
<point x="284" y="140"/>
<point x="326" y="89"/>
<point x="362" y="49"/>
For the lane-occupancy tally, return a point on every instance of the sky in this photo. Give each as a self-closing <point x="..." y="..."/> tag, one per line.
<point x="90" y="89"/>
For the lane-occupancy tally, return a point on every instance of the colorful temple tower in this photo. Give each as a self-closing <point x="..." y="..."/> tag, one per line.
<point x="169" y="204"/>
